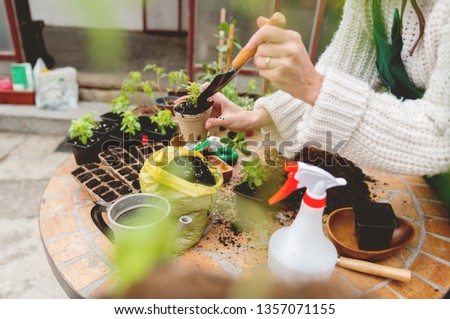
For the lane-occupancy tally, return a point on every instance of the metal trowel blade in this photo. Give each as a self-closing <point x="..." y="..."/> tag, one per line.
<point x="219" y="82"/>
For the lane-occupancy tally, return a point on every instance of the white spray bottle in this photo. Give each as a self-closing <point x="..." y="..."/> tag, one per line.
<point x="301" y="252"/>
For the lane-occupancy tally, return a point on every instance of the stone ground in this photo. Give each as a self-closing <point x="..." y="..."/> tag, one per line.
<point x="26" y="164"/>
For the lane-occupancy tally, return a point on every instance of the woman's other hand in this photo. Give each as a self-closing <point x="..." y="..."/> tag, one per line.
<point x="282" y="59"/>
<point x="227" y="114"/>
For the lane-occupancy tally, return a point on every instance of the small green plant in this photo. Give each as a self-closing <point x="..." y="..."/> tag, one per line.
<point x="120" y="104"/>
<point x="89" y="118"/>
<point x="252" y="86"/>
<point x="230" y="91"/>
<point x="163" y="119"/>
<point x="238" y="143"/>
<point x="254" y="173"/>
<point x="211" y="70"/>
<point x="222" y="49"/>
<point x="160" y="73"/>
<point x="194" y="91"/>
<point x="130" y="123"/>
<point x="130" y="86"/>
<point x="82" y="130"/>
<point x="177" y="79"/>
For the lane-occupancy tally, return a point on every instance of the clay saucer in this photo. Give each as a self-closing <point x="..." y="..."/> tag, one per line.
<point x="341" y="231"/>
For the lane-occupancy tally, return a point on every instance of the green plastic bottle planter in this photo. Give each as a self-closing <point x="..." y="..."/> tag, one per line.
<point x="228" y="155"/>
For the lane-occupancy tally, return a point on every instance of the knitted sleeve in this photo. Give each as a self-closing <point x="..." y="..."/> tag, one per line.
<point x="351" y="50"/>
<point x="379" y="131"/>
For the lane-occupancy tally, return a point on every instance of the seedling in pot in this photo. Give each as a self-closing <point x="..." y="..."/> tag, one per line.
<point x="190" y="117"/>
<point x="177" y="79"/>
<point x="189" y="106"/>
<point x="163" y="119"/>
<point x="85" y="144"/>
<point x="81" y="130"/>
<point x="255" y="173"/>
<point x="130" y="123"/>
<point x="132" y="85"/>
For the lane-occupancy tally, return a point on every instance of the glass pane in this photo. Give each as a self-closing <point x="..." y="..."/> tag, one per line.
<point x="245" y="12"/>
<point x="162" y="15"/>
<point x="300" y="17"/>
<point x="331" y="20"/>
<point x="6" y="45"/>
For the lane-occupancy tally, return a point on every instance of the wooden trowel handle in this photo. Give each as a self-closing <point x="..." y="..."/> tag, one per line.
<point x="277" y="20"/>
<point x="375" y="269"/>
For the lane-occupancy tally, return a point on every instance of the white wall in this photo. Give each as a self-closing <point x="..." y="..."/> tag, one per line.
<point x="115" y="14"/>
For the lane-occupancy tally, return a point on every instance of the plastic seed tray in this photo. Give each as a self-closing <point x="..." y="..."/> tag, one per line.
<point x="101" y="183"/>
<point x="123" y="165"/>
<point x="144" y="151"/>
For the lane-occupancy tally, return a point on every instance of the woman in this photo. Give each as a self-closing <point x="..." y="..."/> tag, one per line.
<point x="404" y="130"/>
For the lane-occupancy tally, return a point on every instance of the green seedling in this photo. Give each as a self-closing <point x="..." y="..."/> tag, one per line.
<point x="194" y="91"/>
<point x="252" y="86"/>
<point x="130" y="123"/>
<point x="89" y="118"/>
<point x="238" y="143"/>
<point x="163" y="119"/>
<point x="177" y="79"/>
<point x="82" y="130"/>
<point x="254" y="173"/>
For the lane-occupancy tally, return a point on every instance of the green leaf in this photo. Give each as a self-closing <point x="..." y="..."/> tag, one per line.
<point x="225" y="140"/>
<point x="240" y="136"/>
<point x="245" y="151"/>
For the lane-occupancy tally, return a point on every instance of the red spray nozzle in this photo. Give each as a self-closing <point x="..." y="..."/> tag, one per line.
<point x="290" y="185"/>
<point x="291" y="167"/>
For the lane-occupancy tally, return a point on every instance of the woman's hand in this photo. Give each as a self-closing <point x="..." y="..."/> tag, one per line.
<point x="227" y="114"/>
<point x="282" y="59"/>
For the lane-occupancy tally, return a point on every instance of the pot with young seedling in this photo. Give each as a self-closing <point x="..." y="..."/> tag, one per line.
<point x="190" y="117"/>
<point x="254" y="175"/>
<point x="162" y="127"/>
<point x="131" y="86"/>
<point x="84" y="141"/>
<point x="101" y="128"/>
<point x="128" y="133"/>
<point x="175" y="81"/>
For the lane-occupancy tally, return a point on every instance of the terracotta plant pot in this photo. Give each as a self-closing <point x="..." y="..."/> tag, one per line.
<point x="192" y="126"/>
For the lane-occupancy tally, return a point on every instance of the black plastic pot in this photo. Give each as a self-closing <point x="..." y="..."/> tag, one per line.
<point x="254" y="194"/>
<point x="154" y="134"/>
<point x="86" y="153"/>
<point x="374" y="225"/>
<point x="111" y="117"/>
<point x="105" y="128"/>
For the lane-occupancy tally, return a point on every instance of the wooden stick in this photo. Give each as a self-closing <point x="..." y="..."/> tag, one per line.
<point x="223" y="13"/>
<point x="374" y="269"/>
<point x="230" y="45"/>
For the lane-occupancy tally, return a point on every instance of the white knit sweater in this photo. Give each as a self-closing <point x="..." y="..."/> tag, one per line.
<point x="381" y="131"/>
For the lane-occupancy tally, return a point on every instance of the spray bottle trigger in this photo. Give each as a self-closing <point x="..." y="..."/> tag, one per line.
<point x="289" y="186"/>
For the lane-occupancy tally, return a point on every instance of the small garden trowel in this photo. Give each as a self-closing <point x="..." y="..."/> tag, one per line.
<point x="245" y="55"/>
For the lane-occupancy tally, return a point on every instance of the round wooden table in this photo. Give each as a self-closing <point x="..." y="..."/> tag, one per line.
<point x="79" y="253"/>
